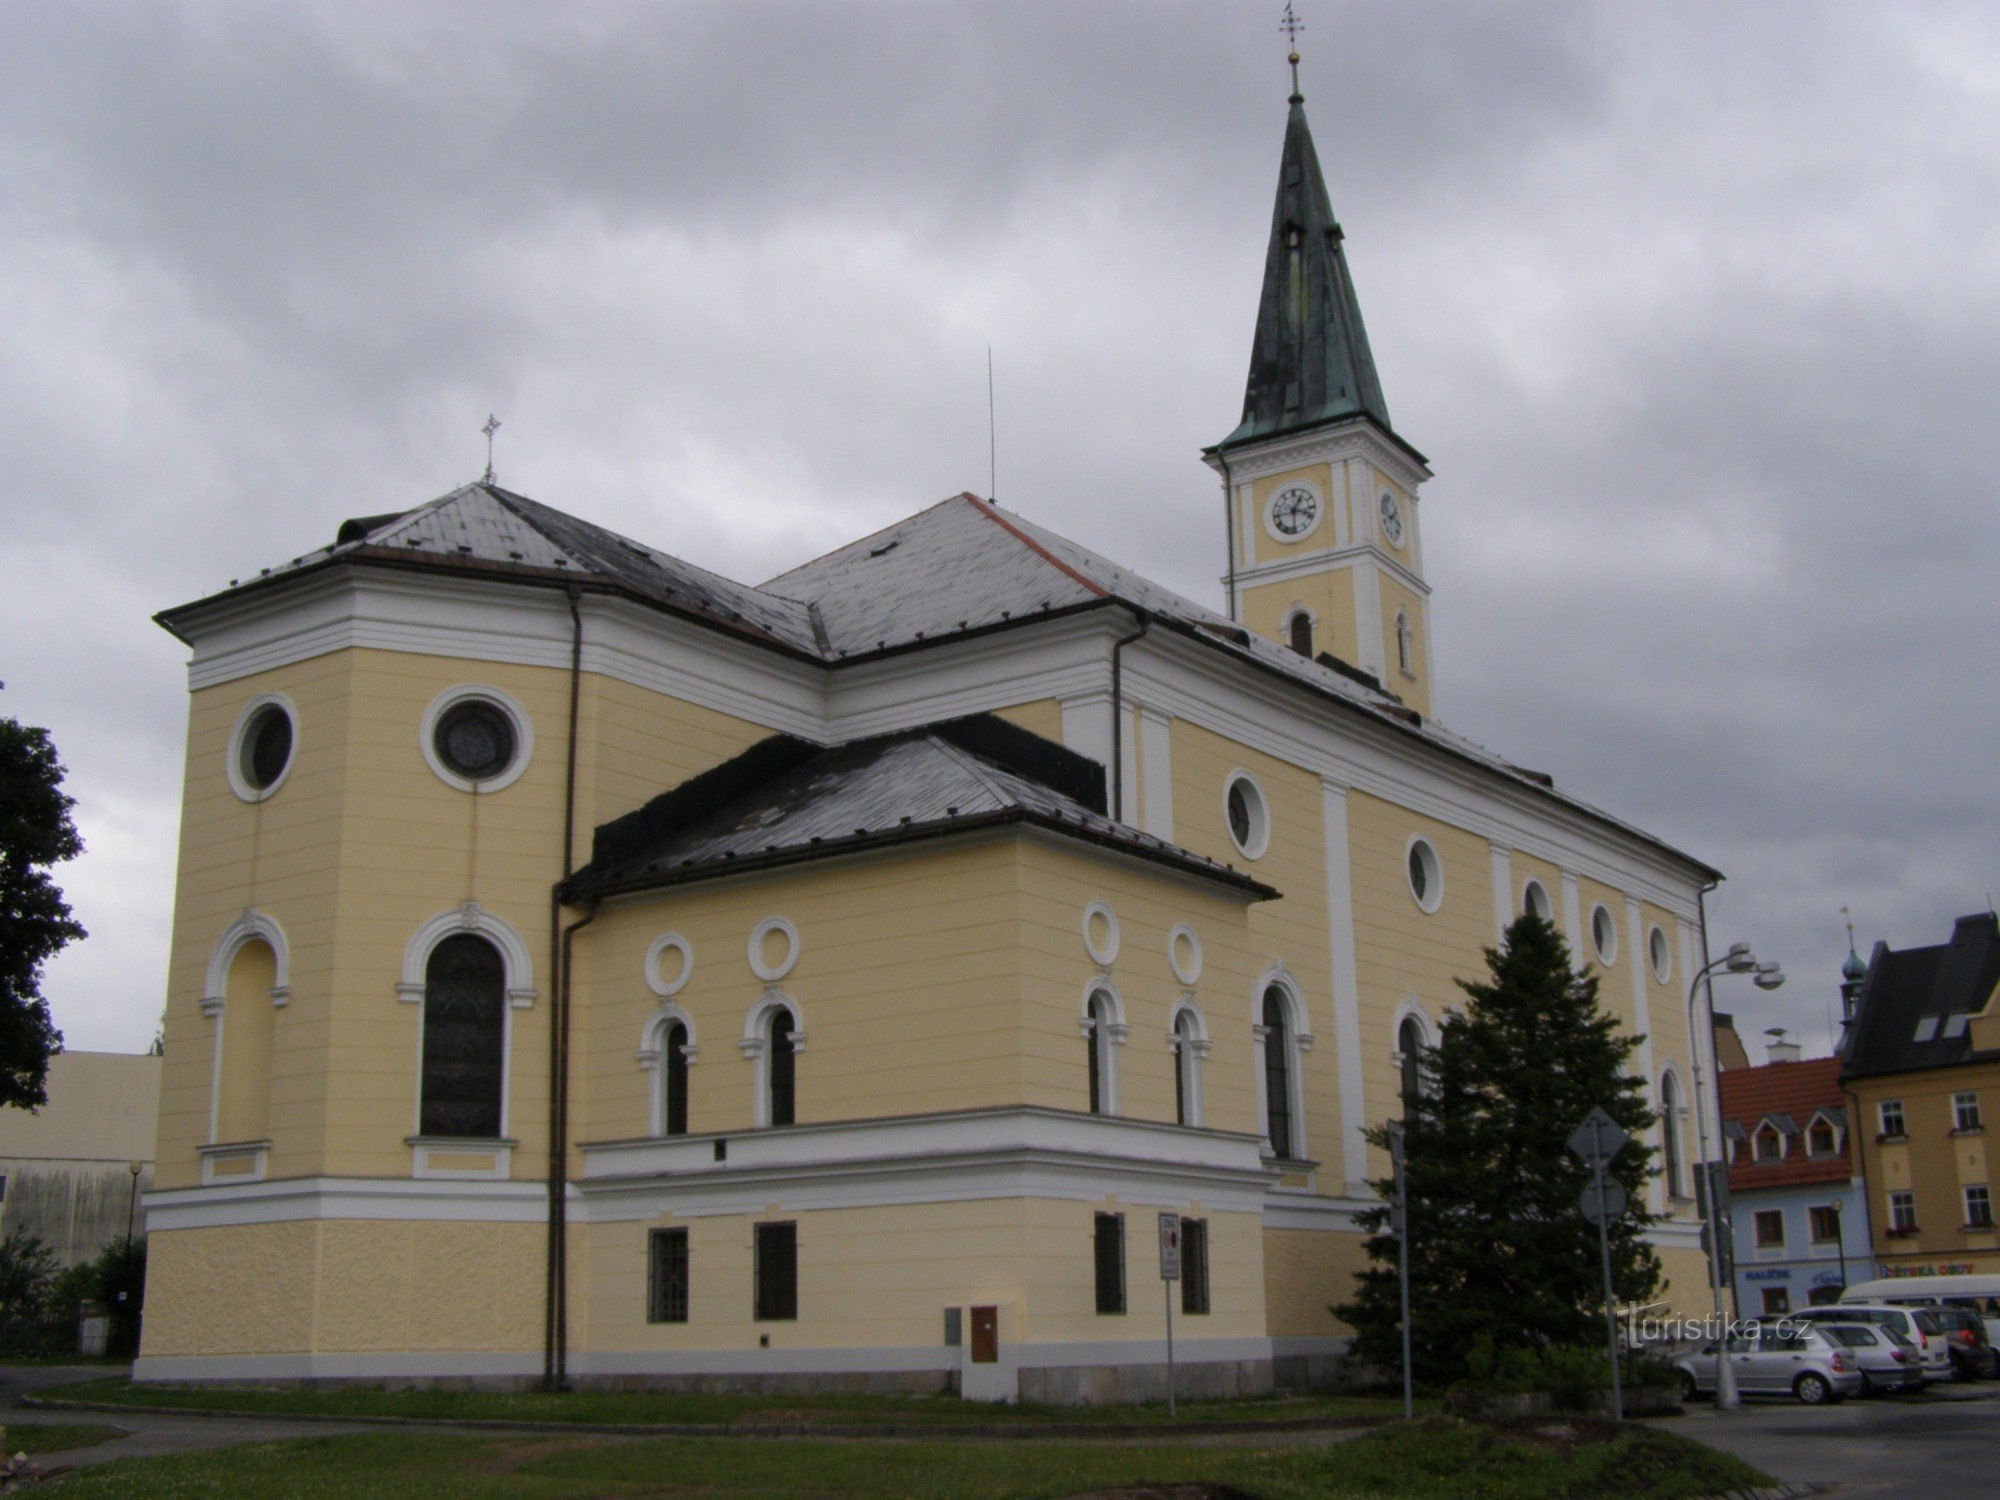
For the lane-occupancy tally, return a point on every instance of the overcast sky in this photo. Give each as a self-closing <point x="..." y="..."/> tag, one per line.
<point x="1694" y="307"/>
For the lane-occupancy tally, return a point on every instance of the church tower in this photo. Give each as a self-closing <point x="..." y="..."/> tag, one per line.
<point x="1325" y="543"/>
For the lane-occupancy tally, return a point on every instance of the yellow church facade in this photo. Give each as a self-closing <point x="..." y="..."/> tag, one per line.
<point x="589" y="968"/>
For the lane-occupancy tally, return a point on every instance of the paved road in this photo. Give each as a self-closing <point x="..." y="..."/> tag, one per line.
<point x="1942" y="1445"/>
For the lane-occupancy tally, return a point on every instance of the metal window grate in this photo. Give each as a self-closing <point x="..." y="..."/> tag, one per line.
<point x="667" y="1276"/>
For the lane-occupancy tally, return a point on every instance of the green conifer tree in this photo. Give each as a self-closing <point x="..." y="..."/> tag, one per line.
<point x="1498" y="1245"/>
<point x="35" y="921"/>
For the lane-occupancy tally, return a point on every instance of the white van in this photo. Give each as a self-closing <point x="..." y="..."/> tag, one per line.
<point x="1981" y="1293"/>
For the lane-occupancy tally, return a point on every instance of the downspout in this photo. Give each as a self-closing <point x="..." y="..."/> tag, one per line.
<point x="1118" y="720"/>
<point x="1228" y="528"/>
<point x="555" y="1351"/>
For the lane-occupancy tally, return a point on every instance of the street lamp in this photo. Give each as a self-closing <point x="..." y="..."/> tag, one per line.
<point x="132" y="1203"/>
<point x="1766" y="976"/>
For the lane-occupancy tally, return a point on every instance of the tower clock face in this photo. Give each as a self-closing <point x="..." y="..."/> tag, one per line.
<point x="1294" y="511"/>
<point x="1392" y="519"/>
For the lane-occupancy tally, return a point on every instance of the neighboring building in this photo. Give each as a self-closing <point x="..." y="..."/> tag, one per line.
<point x="1798" y="1210"/>
<point x="957" y="902"/>
<point x="1922" y="1054"/>
<point x="1729" y="1049"/>
<point x="67" y="1170"/>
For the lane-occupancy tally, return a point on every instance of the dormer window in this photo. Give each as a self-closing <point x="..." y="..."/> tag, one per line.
<point x="1770" y="1142"/>
<point x="1821" y="1138"/>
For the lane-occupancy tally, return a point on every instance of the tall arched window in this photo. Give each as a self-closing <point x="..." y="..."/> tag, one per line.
<point x="1410" y="1050"/>
<point x="1302" y="633"/>
<point x="674" y="1079"/>
<point x="1404" y="654"/>
<point x="465" y="1030"/>
<point x="1097" y="1039"/>
<point x="244" y="1034"/>
<point x="1277" y="1073"/>
<point x="1187" y="1070"/>
<point x="783" y="1068"/>
<point x="1670" y="1134"/>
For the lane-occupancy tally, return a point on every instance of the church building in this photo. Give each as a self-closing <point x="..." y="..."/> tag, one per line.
<point x="589" y="968"/>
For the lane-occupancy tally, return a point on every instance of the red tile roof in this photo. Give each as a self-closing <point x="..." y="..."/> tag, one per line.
<point x="1797" y="1089"/>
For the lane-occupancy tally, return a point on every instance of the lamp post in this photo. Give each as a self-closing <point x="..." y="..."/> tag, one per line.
<point x="1738" y="960"/>
<point x="132" y="1203"/>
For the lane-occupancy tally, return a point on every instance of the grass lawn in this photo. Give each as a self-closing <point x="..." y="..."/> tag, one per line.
<point x="57" y="1437"/>
<point x="626" y="1408"/>
<point x="1433" y="1457"/>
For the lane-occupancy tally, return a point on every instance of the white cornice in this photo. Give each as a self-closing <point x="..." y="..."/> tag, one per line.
<point x="1321" y="562"/>
<point x="1358" y="439"/>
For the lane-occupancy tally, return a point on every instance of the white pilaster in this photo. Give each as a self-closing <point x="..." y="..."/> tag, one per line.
<point x="1573" y="919"/>
<point x="1642" y="1021"/>
<point x="1157" y="741"/>
<point x="1503" y="889"/>
<point x="1369" y="645"/>
<point x="1086" y="723"/>
<point x="1346" y="989"/>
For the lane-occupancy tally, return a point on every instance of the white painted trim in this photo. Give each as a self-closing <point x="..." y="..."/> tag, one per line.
<point x="652" y="1053"/>
<point x="772" y="973"/>
<point x="257" y="1153"/>
<point x="1503" y="890"/>
<point x="755" y="1044"/>
<point x="252" y="924"/>
<point x="233" y="755"/>
<point x="517" y="966"/>
<point x="1157" y="792"/>
<point x="666" y="989"/>
<point x="1319" y="564"/>
<point x="474" y="692"/>
<point x="1268" y="511"/>
<point x="1086" y="723"/>
<point x="303" y="1198"/>
<point x="1117" y="1029"/>
<point x="1548" y="912"/>
<point x="1572" y="908"/>
<point x="1259" y="807"/>
<point x="1429" y="902"/>
<point x="1331" y="446"/>
<point x="1368" y="643"/>
<point x="424" y="1150"/>
<point x="1664" y="973"/>
<point x="1287" y="1208"/>
<point x="1298" y="1042"/>
<point x="1605" y="953"/>
<point x="1642" y="1008"/>
<point x="1192" y="1050"/>
<point x="1346" y="986"/>
<point x="1190" y="971"/>
<point x="1103" y="954"/>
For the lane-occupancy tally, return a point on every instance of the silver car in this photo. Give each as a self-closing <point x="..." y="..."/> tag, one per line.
<point x="1917" y="1324"/>
<point x="1888" y="1361"/>
<point x="1777" y="1360"/>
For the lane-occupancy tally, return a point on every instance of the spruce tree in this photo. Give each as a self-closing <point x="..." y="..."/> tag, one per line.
<point x="1498" y="1245"/>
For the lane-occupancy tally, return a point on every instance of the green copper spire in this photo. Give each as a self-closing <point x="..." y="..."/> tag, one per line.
<point x="1310" y="364"/>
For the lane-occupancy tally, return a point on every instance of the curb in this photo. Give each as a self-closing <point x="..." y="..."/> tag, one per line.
<point x="1031" y="1432"/>
<point x="1773" y="1492"/>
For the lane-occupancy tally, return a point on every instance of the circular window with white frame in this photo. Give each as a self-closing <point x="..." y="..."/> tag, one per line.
<point x="261" y="746"/>
<point x="1661" y="952"/>
<point x="1535" y="901"/>
<point x="1248" y="815"/>
<point x="1426" y="873"/>
<point x="1604" y="933"/>
<point x="476" y="738"/>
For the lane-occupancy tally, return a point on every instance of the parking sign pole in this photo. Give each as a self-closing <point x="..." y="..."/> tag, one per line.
<point x="1610" y="1312"/>
<point x="1170" y="1272"/>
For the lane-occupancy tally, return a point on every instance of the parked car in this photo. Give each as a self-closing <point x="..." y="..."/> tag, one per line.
<point x="1979" y="1293"/>
<point x="1917" y="1324"/>
<point x="1965" y="1337"/>
<point x="1888" y="1361"/>
<point x="1794" y="1360"/>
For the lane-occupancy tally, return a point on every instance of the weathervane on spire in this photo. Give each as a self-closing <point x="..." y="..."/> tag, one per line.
<point x="1291" y="25"/>
<point x="492" y="426"/>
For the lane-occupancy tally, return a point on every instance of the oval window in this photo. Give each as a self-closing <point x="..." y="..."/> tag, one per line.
<point x="1662" y="955"/>
<point x="1604" y="934"/>
<point x="267" y="746"/>
<point x="475" y="739"/>
<point x="1249" y="821"/>
<point x="1426" y="875"/>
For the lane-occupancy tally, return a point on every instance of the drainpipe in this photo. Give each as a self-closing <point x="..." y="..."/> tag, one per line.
<point x="1228" y="530"/>
<point x="1118" y="720"/>
<point x="555" y="1352"/>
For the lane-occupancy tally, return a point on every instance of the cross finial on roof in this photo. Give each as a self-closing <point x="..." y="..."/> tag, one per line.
<point x="492" y="426"/>
<point x="1291" y="25"/>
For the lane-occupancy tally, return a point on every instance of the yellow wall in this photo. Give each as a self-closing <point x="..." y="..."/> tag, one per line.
<point x="1328" y="596"/>
<point x="1931" y="1161"/>
<point x="1412" y="686"/>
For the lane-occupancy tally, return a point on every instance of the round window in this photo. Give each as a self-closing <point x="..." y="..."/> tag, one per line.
<point x="260" y="749"/>
<point x="1604" y="934"/>
<point x="1249" y="822"/>
<point x="1662" y="955"/>
<point x="1535" y="900"/>
<point x="1426" y="875"/>
<point x="475" y="739"/>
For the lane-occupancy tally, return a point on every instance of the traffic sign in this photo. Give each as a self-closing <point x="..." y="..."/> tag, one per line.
<point x="1598" y="1138"/>
<point x="1603" y="1200"/>
<point x="1170" y="1247"/>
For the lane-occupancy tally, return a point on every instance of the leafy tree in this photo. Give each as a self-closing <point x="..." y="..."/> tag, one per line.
<point x="27" y="1273"/>
<point x="120" y="1274"/>
<point x="35" y="921"/>
<point x="1499" y="1250"/>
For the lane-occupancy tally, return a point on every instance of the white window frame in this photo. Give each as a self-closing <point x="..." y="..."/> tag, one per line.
<point x="1106" y="1046"/>
<point x="1660" y="954"/>
<point x="1292" y="615"/>
<point x="1548" y="911"/>
<point x="1960" y="1104"/>
<point x="652" y="1058"/>
<point x="1882" y="1109"/>
<point x="1672" y="1116"/>
<point x="450" y="698"/>
<point x="1909" y="1201"/>
<point x="755" y="1044"/>
<point x="252" y="926"/>
<point x="1965" y="1194"/>
<point x="1839" y="1142"/>
<point x="1433" y="864"/>
<point x="1606" y="951"/>
<point x="1757" y="1156"/>
<point x="1259" y="841"/>
<point x="1298" y="1042"/>
<point x="238" y="782"/>
<point x="1192" y="1049"/>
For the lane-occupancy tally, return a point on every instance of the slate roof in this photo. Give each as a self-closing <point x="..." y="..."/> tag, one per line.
<point x="962" y="566"/>
<point x="785" y="802"/>
<point x="1784" y="1094"/>
<point x="1916" y="984"/>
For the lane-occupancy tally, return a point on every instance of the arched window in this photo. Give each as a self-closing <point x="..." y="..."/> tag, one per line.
<point x="1188" y="1045"/>
<point x="465" y="1033"/>
<point x="1097" y="1040"/>
<point x="1404" y="653"/>
<point x="244" y="1029"/>
<point x="783" y="1068"/>
<point x="1670" y="1134"/>
<point x="674" y="1080"/>
<point x="1410" y="1054"/>
<point x="1277" y="1073"/>
<point x="1302" y="633"/>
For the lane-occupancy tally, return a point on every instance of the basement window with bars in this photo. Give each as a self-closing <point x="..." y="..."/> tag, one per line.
<point x="1110" y="1247"/>
<point x="667" y="1276"/>
<point x="1194" y="1265"/>
<point x="777" y="1272"/>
